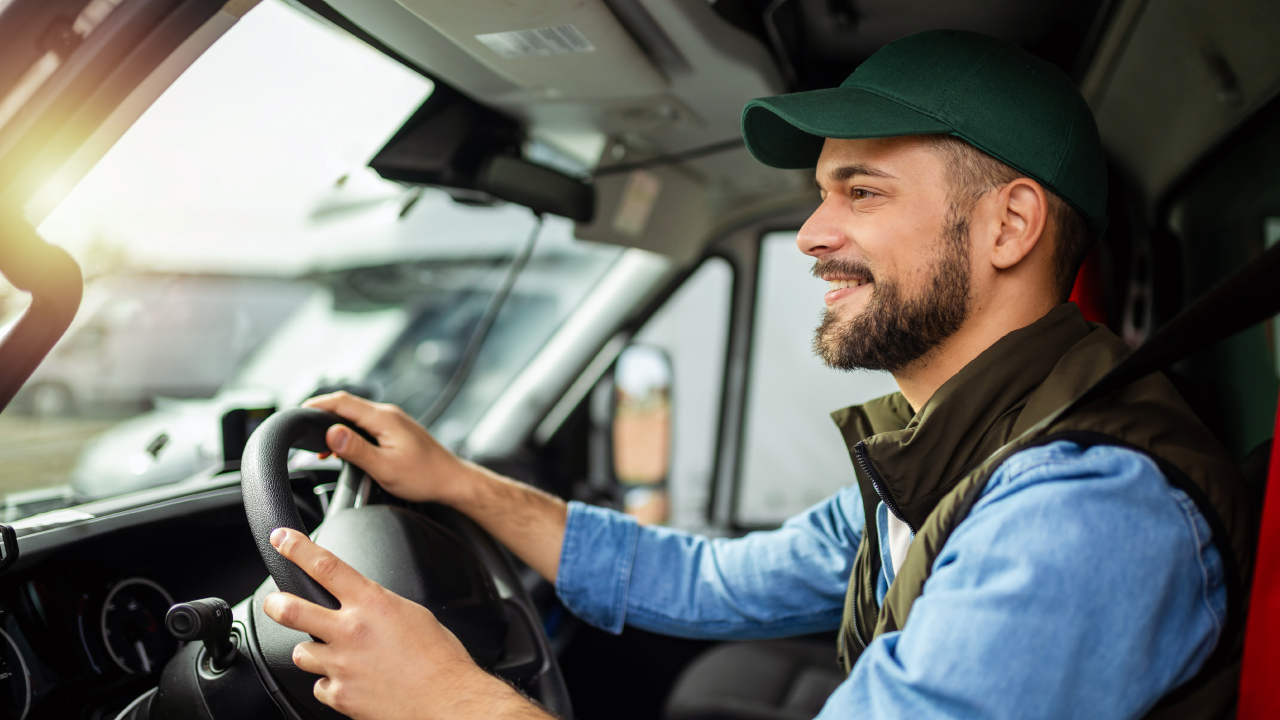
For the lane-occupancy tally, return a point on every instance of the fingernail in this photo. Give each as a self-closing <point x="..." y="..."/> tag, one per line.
<point x="340" y="437"/>
<point x="277" y="536"/>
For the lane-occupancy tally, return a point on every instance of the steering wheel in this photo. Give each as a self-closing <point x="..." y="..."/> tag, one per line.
<point x="268" y="496"/>
<point x="429" y="554"/>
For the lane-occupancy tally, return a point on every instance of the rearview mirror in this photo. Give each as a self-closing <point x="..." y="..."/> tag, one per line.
<point x="538" y="188"/>
<point x="472" y="152"/>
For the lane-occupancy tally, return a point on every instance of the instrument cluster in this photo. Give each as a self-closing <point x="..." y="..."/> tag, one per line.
<point x="104" y="635"/>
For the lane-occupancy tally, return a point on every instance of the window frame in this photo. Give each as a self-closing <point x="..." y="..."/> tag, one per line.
<point x="743" y="248"/>
<point x="632" y="327"/>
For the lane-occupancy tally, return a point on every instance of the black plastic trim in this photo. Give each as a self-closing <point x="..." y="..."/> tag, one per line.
<point x="54" y="281"/>
<point x="342" y="22"/>
<point x="36" y="544"/>
<point x="9" y="551"/>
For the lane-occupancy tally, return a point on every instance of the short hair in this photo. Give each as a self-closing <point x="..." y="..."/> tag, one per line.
<point x="972" y="173"/>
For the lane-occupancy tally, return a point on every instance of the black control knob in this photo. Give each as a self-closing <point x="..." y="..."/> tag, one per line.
<point x="208" y="620"/>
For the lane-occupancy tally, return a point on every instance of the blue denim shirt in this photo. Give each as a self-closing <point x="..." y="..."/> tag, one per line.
<point x="1082" y="585"/>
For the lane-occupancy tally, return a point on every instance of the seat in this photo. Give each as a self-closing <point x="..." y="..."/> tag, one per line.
<point x="770" y="680"/>
<point x="1258" y="698"/>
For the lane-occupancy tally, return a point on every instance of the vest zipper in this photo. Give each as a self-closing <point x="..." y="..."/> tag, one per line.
<point x="877" y="482"/>
<point x="857" y="632"/>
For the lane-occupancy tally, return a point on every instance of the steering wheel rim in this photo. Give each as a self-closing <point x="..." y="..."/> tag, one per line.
<point x="496" y="618"/>
<point x="268" y="497"/>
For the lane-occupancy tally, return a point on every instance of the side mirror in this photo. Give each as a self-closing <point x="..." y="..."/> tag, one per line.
<point x="641" y="431"/>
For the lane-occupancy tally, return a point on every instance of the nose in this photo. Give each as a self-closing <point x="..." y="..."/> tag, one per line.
<point x="823" y="233"/>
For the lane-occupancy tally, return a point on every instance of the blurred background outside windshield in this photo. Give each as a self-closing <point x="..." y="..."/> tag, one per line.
<point x="239" y="253"/>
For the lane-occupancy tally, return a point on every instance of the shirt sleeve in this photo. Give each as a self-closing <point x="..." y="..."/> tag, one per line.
<point x="785" y="582"/>
<point x="1082" y="585"/>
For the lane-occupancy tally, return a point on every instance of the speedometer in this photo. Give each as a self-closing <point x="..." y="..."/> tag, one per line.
<point x="133" y="626"/>
<point x="15" y="679"/>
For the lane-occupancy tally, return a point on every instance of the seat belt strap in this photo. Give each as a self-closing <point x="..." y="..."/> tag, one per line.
<point x="1259" y="696"/>
<point x="1243" y="300"/>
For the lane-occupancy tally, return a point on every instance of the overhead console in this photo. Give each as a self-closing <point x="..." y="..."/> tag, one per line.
<point x="608" y="83"/>
<point x="582" y="48"/>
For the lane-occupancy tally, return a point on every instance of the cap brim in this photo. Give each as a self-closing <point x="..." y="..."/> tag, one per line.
<point x="787" y="131"/>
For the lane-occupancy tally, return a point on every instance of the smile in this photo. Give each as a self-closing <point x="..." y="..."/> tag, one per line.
<point x="838" y="290"/>
<point x="842" y="284"/>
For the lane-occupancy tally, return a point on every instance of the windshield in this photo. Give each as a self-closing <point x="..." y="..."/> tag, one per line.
<point x="240" y="256"/>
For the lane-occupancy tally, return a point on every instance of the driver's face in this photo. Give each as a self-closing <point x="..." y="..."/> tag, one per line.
<point x="884" y="204"/>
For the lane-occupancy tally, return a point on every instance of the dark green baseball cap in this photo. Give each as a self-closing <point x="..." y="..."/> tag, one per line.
<point x="991" y="93"/>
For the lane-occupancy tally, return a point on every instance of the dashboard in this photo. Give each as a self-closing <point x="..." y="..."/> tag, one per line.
<point x="82" y="611"/>
<point x="82" y="629"/>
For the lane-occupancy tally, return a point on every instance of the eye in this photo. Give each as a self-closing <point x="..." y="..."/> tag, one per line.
<point x="861" y="194"/>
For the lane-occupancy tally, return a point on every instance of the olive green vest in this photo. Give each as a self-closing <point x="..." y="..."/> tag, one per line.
<point x="930" y="467"/>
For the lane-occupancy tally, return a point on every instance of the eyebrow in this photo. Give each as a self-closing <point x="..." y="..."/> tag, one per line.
<point x="846" y="172"/>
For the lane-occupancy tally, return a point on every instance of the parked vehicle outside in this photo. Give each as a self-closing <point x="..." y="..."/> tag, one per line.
<point x="394" y="333"/>
<point x="145" y="336"/>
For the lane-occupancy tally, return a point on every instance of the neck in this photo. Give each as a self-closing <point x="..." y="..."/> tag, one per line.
<point x="986" y="324"/>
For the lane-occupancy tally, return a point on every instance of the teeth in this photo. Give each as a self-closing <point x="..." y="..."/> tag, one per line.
<point x="842" y="284"/>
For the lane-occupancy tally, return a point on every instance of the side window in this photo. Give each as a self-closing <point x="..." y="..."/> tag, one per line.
<point x="692" y="328"/>
<point x="793" y="455"/>
<point x="1224" y="215"/>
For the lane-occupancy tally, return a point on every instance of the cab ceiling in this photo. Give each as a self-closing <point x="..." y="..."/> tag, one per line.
<point x="668" y="76"/>
<point x="1173" y="78"/>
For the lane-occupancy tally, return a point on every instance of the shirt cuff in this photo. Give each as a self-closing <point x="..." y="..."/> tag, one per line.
<point x="595" y="565"/>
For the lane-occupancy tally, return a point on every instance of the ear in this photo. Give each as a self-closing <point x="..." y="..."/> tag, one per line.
<point x="1022" y="209"/>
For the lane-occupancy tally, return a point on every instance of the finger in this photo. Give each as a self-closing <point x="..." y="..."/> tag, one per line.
<point x="326" y="691"/>
<point x="336" y="576"/>
<point x="355" y="409"/>
<point x="293" y="612"/>
<point x="312" y="657"/>
<point x="348" y="445"/>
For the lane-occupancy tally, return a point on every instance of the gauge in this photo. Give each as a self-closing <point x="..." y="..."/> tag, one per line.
<point x="15" y="679"/>
<point x="133" y="626"/>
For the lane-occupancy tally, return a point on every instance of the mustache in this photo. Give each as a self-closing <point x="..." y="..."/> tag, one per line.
<point x="841" y="266"/>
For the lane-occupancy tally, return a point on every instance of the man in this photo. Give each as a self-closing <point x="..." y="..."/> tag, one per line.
<point x="997" y="558"/>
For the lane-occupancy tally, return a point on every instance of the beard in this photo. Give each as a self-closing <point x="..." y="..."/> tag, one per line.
<point x="894" y="330"/>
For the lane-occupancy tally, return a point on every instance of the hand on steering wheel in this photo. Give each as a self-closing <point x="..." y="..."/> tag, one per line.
<point x="383" y="656"/>
<point x="381" y="650"/>
<point x="407" y="461"/>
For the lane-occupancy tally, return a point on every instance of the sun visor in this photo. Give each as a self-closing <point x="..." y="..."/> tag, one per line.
<point x="561" y="49"/>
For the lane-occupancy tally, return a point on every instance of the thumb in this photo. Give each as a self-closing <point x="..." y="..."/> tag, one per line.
<point x="348" y="445"/>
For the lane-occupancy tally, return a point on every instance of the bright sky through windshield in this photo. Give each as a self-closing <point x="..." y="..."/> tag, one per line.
<point x="234" y="173"/>
<point x="232" y="169"/>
